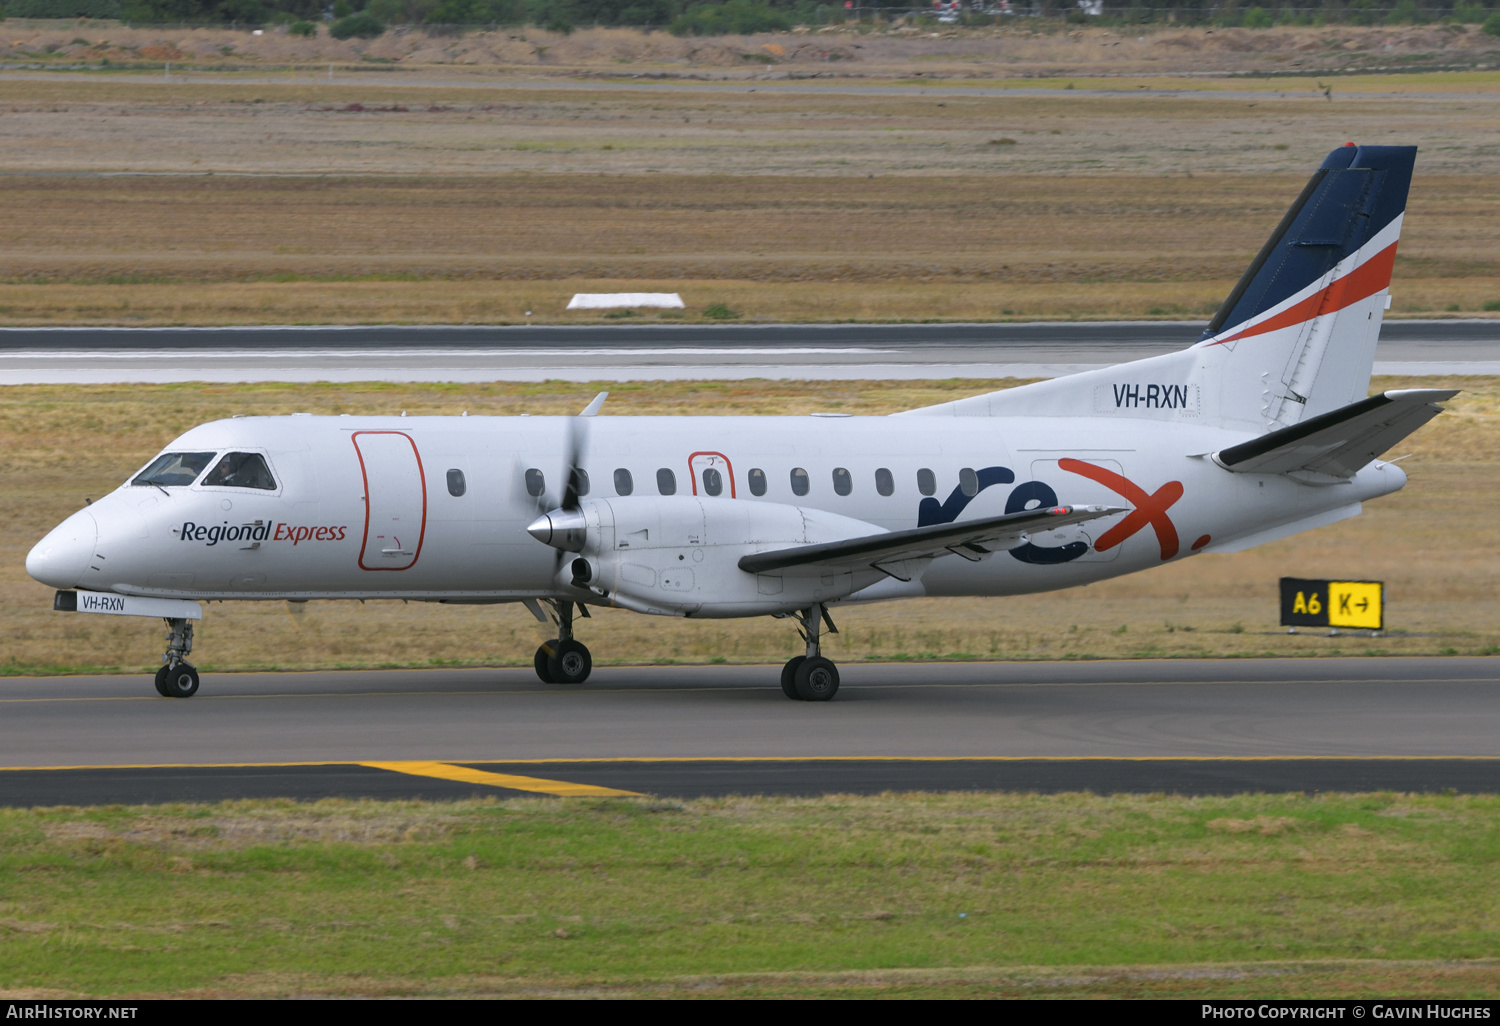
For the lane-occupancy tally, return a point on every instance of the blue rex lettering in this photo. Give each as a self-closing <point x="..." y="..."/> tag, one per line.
<point x="1030" y="495"/>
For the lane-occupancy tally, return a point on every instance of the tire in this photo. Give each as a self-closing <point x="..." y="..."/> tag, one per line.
<point x="817" y="680"/>
<point x="161" y="681"/>
<point x="570" y="663"/>
<point x="180" y="681"/>
<point x="543" y="655"/>
<point x="789" y="677"/>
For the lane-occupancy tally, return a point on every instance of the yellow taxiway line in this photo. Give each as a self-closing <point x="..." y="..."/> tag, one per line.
<point x="456" y="764"/>
<point x="465" y="775"/>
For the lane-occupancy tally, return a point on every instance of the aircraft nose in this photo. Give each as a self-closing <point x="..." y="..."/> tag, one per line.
<point x="60" y="559"/>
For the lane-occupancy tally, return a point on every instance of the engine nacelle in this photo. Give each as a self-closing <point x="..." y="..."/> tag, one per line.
<point x="678" y="555"/>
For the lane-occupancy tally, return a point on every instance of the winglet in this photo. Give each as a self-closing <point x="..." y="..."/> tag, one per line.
<point x="592" y="409"/>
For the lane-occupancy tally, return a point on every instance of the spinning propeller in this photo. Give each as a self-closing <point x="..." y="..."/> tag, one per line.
<point x="565" y="527"/>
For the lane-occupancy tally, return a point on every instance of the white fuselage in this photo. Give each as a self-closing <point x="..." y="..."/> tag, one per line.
<point x="363" y="506"/>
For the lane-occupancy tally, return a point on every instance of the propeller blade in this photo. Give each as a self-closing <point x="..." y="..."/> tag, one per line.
<point x="575" y="480"/>
<point x="572" y="472"/>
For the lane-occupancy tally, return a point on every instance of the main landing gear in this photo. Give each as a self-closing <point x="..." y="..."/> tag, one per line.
<point x="810" y="677"/>
<point x="564" y="660"/>
<point x="177" y="678"/>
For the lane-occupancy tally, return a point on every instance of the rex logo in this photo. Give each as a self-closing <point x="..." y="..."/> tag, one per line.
<point x="1149" y="509"/>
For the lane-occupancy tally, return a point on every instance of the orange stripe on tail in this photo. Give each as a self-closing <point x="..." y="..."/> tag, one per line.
<point x="1362" y="282"/>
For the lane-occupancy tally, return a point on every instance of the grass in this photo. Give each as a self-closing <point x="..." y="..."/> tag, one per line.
<point x="163" y="250"/>
<point x="59" y="445"/>
<point x="927" y="894"/>
<point x="453" y="200"/>
<point x="381" y="301"/>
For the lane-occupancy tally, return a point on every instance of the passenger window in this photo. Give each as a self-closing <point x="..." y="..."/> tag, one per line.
<point x="456" y="486"/>
<point x="666" y="482"/>
<point x="174" y="468"/>
<point x="240" y="470"/>
<point x="885" y="484"/>
<point x="536" y="484"/>
<point x="926" y="482"/>
<point x="579" y="478"/>
<point x="968" y="482"/>
<point x="757" y="481"/>
<point x="799" y="481"/>
<point x="624" y="485"/>
<point x="713" y="481"/>
<point x="843" y="483"/>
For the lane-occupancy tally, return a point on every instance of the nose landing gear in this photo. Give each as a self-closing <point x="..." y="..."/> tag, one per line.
<point x="177" y="678"/>
<point x="564" y="660"/>
<point x="810" y="677"/>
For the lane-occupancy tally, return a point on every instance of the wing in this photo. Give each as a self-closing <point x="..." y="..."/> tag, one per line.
<point x="1334" y="446"/>
<point x="970" y="539"/>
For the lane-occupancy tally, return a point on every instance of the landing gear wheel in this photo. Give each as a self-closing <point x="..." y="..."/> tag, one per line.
<point x="789" y="677"/>
<point x="161" y="681"/>
<point x="817" y="680"/>
<point x="543" y="656"/>
<point x="570" y="663"/>
<point x="180" y="681"/>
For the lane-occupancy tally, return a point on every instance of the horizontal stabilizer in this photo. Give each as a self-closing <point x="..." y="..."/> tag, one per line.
<point x="1334" y="446"/>
<point x="971" y="539"/>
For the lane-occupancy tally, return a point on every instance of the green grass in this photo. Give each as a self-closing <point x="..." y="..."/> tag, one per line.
<point x="922" y="894"/>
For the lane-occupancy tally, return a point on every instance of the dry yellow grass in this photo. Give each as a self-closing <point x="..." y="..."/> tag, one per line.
<point x="235" y="250"/>
<point x="1433" y="544"/>
<point x="449" y="200"/>
<point x="508" y="302"/>
<point x="386" y="125"/>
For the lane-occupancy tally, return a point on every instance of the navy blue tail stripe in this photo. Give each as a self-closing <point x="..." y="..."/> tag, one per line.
<point x="1357" y="192"/>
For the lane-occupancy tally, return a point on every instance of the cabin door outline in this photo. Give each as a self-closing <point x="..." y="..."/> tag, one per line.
<point x="701" y="461"/>
<point x="389" y="506"/>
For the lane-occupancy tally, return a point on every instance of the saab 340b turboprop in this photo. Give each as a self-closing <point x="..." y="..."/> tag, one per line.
<point x="1260" y="430"/>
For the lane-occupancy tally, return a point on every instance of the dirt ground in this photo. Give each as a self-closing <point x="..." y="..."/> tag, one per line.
<point x="1432" y="543"/>
<point x="1037" y="49"/>
<point x="138" y="201"/>
<point x="377" y="125"/>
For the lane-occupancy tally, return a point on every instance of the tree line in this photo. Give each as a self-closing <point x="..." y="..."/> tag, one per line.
<point x="728" y="17"/>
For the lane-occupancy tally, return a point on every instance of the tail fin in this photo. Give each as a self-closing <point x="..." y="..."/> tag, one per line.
<point x="1304" y="319"/>
<point x="1294" y="340"/>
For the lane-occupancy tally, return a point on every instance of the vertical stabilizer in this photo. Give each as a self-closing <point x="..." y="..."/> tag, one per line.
<point x="1297" y="334"/>
<point x="1296" y="337"/>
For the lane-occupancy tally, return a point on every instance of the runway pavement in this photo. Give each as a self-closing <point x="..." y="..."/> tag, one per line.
<point x="659" y="351"/>
<point x="1202" y="727"/>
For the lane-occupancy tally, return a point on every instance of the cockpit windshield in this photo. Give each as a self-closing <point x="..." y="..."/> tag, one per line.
<point x="174" y="468"/>
<point x="240" y="470"/>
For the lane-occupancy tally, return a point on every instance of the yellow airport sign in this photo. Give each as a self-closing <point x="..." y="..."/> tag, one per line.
<point x="1356" y="604"/>
<point x="1315" y="603"/>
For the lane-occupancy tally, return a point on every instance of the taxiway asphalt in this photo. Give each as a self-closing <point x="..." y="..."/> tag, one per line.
<point x="659" y="351"/>
<point x="1180" y="726"/>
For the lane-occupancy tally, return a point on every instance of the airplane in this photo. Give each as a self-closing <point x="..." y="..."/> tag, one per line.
<point x="1260" y="430"/>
